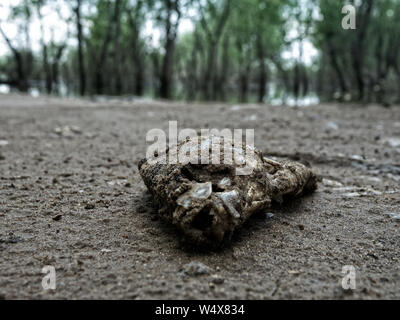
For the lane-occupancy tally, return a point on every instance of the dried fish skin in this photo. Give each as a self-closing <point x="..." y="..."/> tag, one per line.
<point x="208" y="202"/>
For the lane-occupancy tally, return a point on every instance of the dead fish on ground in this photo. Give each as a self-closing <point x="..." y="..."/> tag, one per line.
<point x="208" y="202"/>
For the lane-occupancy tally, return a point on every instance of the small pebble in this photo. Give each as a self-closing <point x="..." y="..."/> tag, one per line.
<point x="89" y="206"/>
<point x="269" y="215"/>
<point x="393" y="215"/>
<point x="196" y="269"/>
<point x="216" y="279"/>
<point x="57" y="217"/>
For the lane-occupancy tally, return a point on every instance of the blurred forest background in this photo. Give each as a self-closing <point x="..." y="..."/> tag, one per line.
<point x="270" y="51"/>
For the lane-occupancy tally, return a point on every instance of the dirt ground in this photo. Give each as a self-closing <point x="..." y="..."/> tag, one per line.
<point x="71" y="197"/>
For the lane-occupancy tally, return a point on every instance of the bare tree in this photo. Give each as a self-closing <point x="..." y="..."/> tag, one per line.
<point x="135" y="17"/>
<point x="45" y="56"/>
<point x="23" y="56"/>
<point x="22" y="77"/>
<point x="173" y="15"/>
<point x="81" y="60"/>
<point x="213" y="38"/>
<point x="358" y="52"/>
<point x="117" y="47"/>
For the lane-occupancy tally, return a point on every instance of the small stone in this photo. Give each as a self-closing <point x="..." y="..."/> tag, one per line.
<point x="347" y="291"/>
<point x="216" y="279"/>
<point x="332" y="125"/>
<point x="89" y="206"/>
<point x="331" y="183"/>
<point x="356" y="157"/>
<point x="57" y="217"/>
<point x="394" y="216"/>
<point x="294" y="272"/>
<point x="372" y="255"/>
<point x="12" y="239"/>
<point x="269" y="215"/>
<point x="392" y="142"/>
<point x="67" y="131"/>
<point x="352" y="195"/>
<point x="196" y="269"/>
<point x="80" y="244"/>
<point x="76" y="129"/>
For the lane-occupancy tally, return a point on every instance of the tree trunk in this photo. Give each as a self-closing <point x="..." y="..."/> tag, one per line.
<point x="213" y="39"/>
<point x="55" y="67"/>
<point x="192" y="69"/>
<point x="244" y="82"/>
<point x="168" y="60"/>
<point x="47" y="71"/>
<point x="283" y="73"/>
<point x="46" y="65"/>
<point x="224" y="70"/>
<point x="304" y="80"/>
<point x="22" y="80"/>
<point x="210" y="69"/>
<point x="262" y="78"/>
<point x="101" y="60"/>
<point x="117" y="48"/>
<point x="380" y="75"/>
<point x="81" y="62"/>
<point x="358" y="71"/>
<point x="336" y="67"/>
<point x="138" y="62"/>
<point x="396" y="69"/>
<point x="166" y="71"/>
<point x="296" y="81"/>
<point x="358" y="47"/>
<point x="139" y="79"/>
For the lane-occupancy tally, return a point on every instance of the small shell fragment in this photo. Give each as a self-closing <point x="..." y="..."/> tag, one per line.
<point x="224" y="183"/>
<point x="202" y="190"/>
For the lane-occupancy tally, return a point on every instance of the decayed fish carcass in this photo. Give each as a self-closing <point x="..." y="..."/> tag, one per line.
<point x="208" y="202"/>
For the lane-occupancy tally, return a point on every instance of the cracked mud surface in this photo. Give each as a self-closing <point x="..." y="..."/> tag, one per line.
<point x="71" y="196"/>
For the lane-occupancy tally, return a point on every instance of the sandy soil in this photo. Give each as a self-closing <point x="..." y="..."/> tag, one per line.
<point x="71" y="197"/>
